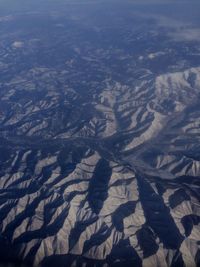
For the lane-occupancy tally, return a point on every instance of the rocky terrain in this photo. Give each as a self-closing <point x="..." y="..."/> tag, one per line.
<point x="99" y="141"/>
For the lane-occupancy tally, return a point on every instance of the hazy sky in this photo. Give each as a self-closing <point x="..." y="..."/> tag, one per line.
<point x="168" y="13"/>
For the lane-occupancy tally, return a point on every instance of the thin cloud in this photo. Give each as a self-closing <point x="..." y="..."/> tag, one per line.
<point x="18" y="44"/>
<point x="186" y="35"/>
